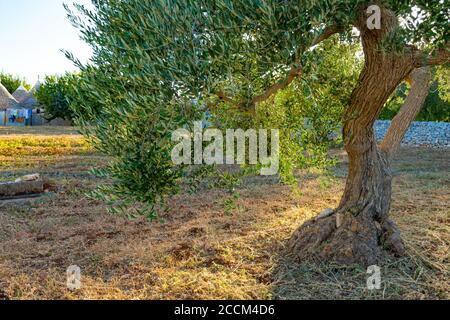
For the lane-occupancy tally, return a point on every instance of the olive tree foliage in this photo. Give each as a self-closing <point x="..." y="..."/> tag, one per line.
<point x="158" y="65"/>
<point x="307" y="113"/>
<point x="443" y="78"/>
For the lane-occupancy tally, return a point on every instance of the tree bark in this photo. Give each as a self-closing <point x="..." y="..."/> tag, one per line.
<point x="360" y="227"/>
<point x="420" y="81"/>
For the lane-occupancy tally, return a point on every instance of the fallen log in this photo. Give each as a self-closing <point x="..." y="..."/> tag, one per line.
<point x="27" y="196"/>
<point x="8" y="189"/>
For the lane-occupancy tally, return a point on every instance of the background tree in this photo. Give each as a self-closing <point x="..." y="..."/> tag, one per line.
<point x="56" y="94"/>
<point x="159" y="64"/>
<point x="443" y="79"/>
<point x="12" y="82"/>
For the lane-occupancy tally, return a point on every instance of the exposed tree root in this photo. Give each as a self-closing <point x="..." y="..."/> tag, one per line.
<point x="345" y="239"/>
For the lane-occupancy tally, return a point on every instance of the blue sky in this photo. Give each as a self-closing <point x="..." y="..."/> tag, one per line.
<point x="32" y="32"/>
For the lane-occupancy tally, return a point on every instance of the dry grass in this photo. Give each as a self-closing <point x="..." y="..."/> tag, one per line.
<point x="39" y="130"/>
<point x="55" y="148"/>
<point x="201" y="251"/>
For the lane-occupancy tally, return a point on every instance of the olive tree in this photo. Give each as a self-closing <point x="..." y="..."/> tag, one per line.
<point x="157" y="64"/>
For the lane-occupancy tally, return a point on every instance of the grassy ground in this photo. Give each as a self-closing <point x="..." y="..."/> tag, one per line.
<point x="39" y="130"/>
<point x="206" y="249"/>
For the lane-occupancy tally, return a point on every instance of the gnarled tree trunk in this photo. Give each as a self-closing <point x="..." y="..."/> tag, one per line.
<point x="360" y="227"/>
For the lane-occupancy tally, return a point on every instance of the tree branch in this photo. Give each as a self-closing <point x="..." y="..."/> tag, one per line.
<point x="327" y="33"/>
<point x="420" y="86"/>
<point x="273" y="89"/>
<point x="295" y="72"/>
<point x="222" y="96"/>
<point x="441" y="56"/>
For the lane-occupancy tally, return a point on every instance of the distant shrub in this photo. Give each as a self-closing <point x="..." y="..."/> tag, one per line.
<point x="56" y="96"/>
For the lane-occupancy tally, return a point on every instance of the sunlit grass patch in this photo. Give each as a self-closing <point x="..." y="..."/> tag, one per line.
<point x="19" y="146"/>
<point x="60" y="147"/>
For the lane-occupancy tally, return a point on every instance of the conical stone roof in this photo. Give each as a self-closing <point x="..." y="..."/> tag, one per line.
<point x="36" y="87"/>
<point x="30" y="101"/>
<point x="7" y="101"/>
<point x="20" y="94"/>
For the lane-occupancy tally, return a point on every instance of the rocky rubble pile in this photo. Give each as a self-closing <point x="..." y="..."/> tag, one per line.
<point x="432" y="134"/>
